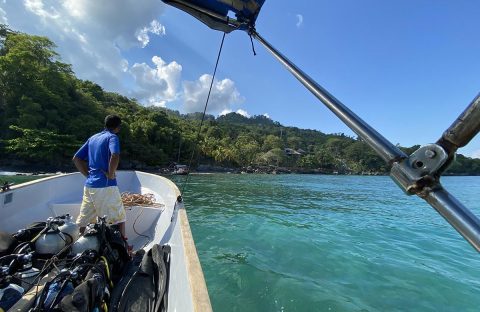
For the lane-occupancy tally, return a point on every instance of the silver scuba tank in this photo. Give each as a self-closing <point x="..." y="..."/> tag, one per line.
<point x="89" y="240"/>
<point x="84" y="243"/>
<point x="52" y="241"/>
<point x="70" y="229"/>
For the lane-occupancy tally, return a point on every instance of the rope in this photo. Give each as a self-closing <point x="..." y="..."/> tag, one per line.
<point x="145" y="200"/>
<point x="253" y="47"/>
<point x="184" y="187"/>
<point x="139" y="234"/>
<point x="135" y="200"/>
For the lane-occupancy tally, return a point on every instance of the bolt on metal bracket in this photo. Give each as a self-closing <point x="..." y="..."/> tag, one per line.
<point x="420" y="169"/>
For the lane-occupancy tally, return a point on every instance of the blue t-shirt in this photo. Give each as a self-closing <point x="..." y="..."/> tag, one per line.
<point x="97" y="150"/>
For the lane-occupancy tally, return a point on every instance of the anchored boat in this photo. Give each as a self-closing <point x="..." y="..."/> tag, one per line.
<point x="180" y="170"/>
<point x="165" y="224"/>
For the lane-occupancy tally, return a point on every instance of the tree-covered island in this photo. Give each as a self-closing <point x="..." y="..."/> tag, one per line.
<point x="46" y="113"/>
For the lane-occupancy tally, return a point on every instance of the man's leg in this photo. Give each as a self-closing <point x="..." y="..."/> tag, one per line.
<point x="87" y="210"/>
<point x="112" y="207"/>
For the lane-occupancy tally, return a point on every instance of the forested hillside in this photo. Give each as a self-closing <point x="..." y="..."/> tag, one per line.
<point x="46" y="113"/>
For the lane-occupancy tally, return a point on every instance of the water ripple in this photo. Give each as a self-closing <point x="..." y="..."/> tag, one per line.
<point x="330" y="243"/>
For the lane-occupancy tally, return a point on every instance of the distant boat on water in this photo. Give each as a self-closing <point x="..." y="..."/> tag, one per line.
<point x="180" y="170"/>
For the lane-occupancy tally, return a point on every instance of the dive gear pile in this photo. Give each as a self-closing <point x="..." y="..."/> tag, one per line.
<point x="48" y="266"/>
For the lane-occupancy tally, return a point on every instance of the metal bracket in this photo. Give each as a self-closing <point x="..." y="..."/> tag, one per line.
<point x="420" y="169"/>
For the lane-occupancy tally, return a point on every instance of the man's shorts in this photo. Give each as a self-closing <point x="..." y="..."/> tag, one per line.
<point x="103" y="201"/>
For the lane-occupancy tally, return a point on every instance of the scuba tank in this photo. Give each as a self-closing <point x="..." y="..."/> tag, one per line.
<point x="89" y="240"/>
<point x="84" y="243"/>
<point x="49" y="237"/>
<point x="70" y="229"/>
<point x="52" y="240"/>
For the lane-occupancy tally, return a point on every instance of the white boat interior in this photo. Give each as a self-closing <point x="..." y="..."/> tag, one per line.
<point x="145" y="226"/>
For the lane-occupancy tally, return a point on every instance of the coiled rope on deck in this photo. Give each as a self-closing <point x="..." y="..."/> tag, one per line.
<point x="143" y="200"/>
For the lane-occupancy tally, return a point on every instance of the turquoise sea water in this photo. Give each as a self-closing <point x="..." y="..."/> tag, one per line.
<point x="330" y="243"/>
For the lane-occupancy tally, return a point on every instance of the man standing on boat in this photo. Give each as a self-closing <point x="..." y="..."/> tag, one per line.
<point x="98" y="160"/>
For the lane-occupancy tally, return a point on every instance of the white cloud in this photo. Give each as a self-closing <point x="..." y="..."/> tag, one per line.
<point x="243" y="113"/>
<point x="3" y="17"/>
<point x="267" y="115"/>
<point x="37" y="7"/>
<point x="93" y="35"/>
<point x="299" y="20"/>
<point x="90" y="34"/>
<point x="154" y="28"/>
<point x="158" y="85"/>
<point x="224" y="112"/>
<point x="476" y="154"/>
<point x="239" y="111"/>
<point x="224" y="95"/>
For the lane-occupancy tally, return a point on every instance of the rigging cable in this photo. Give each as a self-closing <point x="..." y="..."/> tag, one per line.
<point x="184" y="187"/>
<point x="251" y="40"/>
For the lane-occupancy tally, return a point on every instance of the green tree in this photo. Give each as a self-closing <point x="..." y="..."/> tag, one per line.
<point x="294" y="142"/>
<point x="46" y="113"/>
<point x="34" y="84"/>
<point x="271" y="142"/>
<point x="45" y="146"/>
<point x="246" y="149"/>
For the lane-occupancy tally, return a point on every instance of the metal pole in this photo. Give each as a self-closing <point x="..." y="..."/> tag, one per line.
<point x="462" y="219"/>
<point x="464" y="128"/>
<point x="389" y="152"/>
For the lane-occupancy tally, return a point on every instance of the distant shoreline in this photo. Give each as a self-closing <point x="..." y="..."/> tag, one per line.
<point x="18" y="172"/>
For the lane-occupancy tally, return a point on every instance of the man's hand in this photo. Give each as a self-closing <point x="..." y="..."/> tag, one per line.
<point x="109" y="175"/>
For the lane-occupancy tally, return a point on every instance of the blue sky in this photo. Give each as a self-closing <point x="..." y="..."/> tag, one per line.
<point x="408" y="68"/>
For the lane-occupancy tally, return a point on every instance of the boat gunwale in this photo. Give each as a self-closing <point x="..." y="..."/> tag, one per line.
<point x="198" y="286"/>
<point x="25" y="184"/>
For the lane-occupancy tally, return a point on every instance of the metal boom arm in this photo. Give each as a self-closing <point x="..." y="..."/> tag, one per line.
<point x="418" y="173"/>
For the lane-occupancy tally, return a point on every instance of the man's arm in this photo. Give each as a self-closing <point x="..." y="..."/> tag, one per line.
<point x="113" y="165"/>
<point x="81" y="165"/>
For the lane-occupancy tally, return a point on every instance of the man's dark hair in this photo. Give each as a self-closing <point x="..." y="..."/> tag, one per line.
<point x="112" y="122"/>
